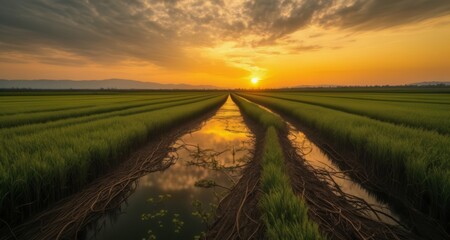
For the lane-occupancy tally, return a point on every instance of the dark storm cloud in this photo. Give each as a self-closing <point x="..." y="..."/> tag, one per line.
<point x="158" y="31"/>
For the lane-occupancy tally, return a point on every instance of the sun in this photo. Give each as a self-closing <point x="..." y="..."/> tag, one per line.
<point x="255" y="80"/>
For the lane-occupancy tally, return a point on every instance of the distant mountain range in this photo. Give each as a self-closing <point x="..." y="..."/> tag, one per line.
<point x="94" y="84"/>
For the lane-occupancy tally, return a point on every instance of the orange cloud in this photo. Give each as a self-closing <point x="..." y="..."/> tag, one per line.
<point x="226" y="43"/>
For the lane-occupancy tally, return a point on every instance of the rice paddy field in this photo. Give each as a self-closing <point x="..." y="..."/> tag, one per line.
<point x="298" y="164"/>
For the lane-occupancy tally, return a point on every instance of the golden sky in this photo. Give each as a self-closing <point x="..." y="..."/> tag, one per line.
<point x="228" y="43"/>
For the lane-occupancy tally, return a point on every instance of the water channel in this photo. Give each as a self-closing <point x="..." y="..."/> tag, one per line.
<point x="171" y="205"/>
<point x="168" y="204"/>
<point x="318" y="159"/>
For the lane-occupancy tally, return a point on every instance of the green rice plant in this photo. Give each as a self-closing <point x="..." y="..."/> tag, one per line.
<point x="284" y="214"/>
<point x="434" y="98"/>
<point x="39" y="117"/>
<point x="39" y="168"/>
<point x="10" y="105"/>
<point x="258" y="114"/>
<point x="413" y="163"/>
<point x="417" y="114"/>
<point x="30" y="128"/>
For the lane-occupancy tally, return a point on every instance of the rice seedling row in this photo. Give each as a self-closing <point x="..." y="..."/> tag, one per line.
<point x="18" y="105"/>
<point x="412" y="163"/>
<point x="285" y="215"/>
<point x="40" y="168"/>
<point x="433" y="117"/>
<point x="31" y="128"/>
<point x="38" y="117"/>
<point x="435" y="98"/>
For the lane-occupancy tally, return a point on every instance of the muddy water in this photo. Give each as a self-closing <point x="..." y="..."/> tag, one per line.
<point x="167" y="205"/>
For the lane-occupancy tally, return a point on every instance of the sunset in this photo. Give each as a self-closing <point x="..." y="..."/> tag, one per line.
<point x="225" y="119"/>
<point x="285" y="43"/>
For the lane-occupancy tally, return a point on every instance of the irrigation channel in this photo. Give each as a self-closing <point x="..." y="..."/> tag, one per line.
<point x="319" y="160"/>
<point x="179" y="202"/>
<point x="323" y="162"/>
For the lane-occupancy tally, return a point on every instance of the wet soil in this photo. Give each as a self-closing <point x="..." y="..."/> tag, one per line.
<point x="238" y="215"/>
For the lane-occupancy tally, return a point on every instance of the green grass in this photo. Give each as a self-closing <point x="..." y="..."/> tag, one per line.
<point x="412" y="162"/>
<point x="40" y="167"/>
<point x="284" y="214"/>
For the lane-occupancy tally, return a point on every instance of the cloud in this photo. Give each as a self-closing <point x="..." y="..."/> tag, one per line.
<point x="378" y="14"/>
<point x="159" y="31"/>
<point x="277" y="18"/>
<point x="92" y="29"/>
<point x="302" y="48"/>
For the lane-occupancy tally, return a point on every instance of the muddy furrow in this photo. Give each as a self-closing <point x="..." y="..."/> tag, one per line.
<point x="238" y="214"/>
<point x="422" y="226"/>
<point x="340" y="216"/>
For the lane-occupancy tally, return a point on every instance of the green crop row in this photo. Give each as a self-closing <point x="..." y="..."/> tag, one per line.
<point x="411" y="162"/>
<point x="435" y="98"/>
<point x="39" y="117"/>
<point x="433" y="117"/>
<point x="39" y="168"/>
<point x="258" y="114"/>
<point x="31" y="128"/>
<point x="10" y="105"/>
<point x="284" y="214"/>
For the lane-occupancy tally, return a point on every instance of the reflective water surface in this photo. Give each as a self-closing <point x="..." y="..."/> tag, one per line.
<point x="318" y="159"/>
<point x="168" y="204"/>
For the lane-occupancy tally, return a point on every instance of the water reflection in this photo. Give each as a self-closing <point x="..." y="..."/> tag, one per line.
<point x="317" y="159"/>
<point x="207" y="153"/>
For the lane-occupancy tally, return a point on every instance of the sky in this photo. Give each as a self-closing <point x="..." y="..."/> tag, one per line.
<point x="227" y="43"/>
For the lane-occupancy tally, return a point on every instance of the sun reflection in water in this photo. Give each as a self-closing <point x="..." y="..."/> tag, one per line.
<point x="225" y="132"/>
